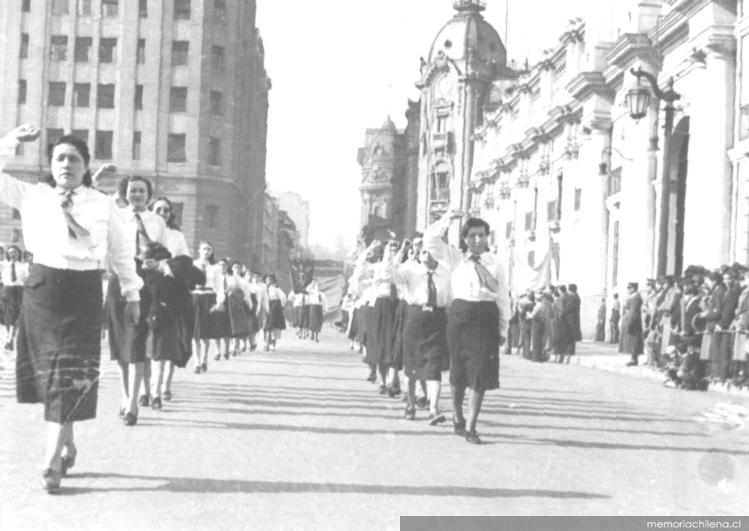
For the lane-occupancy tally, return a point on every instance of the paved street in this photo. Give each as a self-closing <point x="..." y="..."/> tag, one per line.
<point x="297" y="439"/>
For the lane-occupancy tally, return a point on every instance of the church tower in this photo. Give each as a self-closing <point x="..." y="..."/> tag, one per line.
<point x="465" y="58"/>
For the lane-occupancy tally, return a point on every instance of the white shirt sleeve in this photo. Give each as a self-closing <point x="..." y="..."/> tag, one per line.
<point x="121" y="252"/>
<point x="503" y="299"/>
<point x="441" y="251"/>
<point x="12" y="190"/>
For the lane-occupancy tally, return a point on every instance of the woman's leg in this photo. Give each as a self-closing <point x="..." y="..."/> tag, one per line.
<point x="434" y="388"/>
<point x="124" y="381"/>
<point x="136" y="377"/>
<point x="167" y="392"/>
<point x="156" y="383"/>
<point x="198" y="355"/>
<point x="145" y="388"/>
<point x="56" y="435"/>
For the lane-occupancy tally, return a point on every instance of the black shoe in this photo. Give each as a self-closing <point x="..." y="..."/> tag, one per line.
<point x="198" y="369"/>
<point x="51" y="480"/>
<point x="204" y="366"/>
<point x="156" y="403"/>
<point x="383" y="390"/>
<point x="421" y="402"/>
<point x="217" y="358"/>
<point x="392" y="393"/>
<point x="144" y="401"/>
<point x="68" y="461"/>
<point x="472" y="437"/>
<point x="632" y="363"/>
<point x="436" y="419"/>
<point x="459" y="427"/>
<point x="410" y="413"/>
<point x="372" y="378"/>
<point x="131" y="419"/>
<point x="167" y="395"/>
<point x="226" y="356"/>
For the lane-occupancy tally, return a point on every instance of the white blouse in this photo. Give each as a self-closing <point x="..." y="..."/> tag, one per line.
<point x="176" y="243"/>
<point x="154" y="224"/>
<point x="46" y="232"/>
<point x="22" y="273"/>
<point x="414" y="276"/>
<point x="464" y="280"/>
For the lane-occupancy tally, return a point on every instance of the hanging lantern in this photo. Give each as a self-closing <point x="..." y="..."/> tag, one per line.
<point x="638" y="101"/>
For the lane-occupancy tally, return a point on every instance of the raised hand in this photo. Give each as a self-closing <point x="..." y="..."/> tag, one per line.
<point x="26" y="133"/>
<point x="456" y="213"/>
<point x="103" y="170"/>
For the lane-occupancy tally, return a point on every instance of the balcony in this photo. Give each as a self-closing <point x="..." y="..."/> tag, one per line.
<point x="441" y="142"/>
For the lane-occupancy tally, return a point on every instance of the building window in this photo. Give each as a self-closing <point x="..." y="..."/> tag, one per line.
<point x="105" y="97"/>
<point x="219" y="12"/>
<point x="529" y="221"/>
<point x="217" y="58"/>
<point x="143" y="8"/>
<point x="532" y="259"/>
<point x="578" y="198"/>
<point x="212" y="212"/>
<point x="180" y="52"/>
<point x="138" y="100"/>
<point x="217" y="103"/>
<point x="23" y="53"/>
<point x="176" y="148"/>
<point x="141" y="57"/>
<point x="508" y="230"/>
<point x="21" y="91"/>
<point x="53" y="135"/>
<point x="56" y="96"/>
<point x="25" y="6"/>
<point x="182" y="9"/>
<point x="441" y="124"/>
<point x="214" y="151"/>
<point x="109" y="8"/>
<point x="103" y="148"/>
<point x="59" y="7"/>
<point x="440" y="185"/>
<point x="551" y="211"/>
<point x="16" y="235"/>
<point x="81" y="134"/>
<point x="178" y="99"/>
<point x="107" y="50"/>
<point x="136" y="145"/>
<point x="81" y="94"/>
<point x="58" y="50"/>
<point x="84" y="8"/>
<point x="16" y="214"/>
<point x="82" y="48"/>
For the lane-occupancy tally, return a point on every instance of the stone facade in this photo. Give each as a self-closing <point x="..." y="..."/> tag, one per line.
<point x="180" y="97"/>
<point x="298" y="209"/>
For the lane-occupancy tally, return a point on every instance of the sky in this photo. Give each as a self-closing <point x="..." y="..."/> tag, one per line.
<point x="339" y="67"/>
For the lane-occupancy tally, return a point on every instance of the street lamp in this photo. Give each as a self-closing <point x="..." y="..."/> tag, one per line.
<point x="638" y="100"/>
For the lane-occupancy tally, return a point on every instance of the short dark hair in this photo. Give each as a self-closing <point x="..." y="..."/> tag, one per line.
<point x="473" y="223"/>
<point x="171" y="223"/>
<point x="124" y="183"/>
<point x="272" y="278"/>
<point x="81" y="147"/>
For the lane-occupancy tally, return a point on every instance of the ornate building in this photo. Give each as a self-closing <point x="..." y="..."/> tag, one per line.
<point x="389" y="183"/>
<point x="173" y="91"/>
<point x="575" y="189"/>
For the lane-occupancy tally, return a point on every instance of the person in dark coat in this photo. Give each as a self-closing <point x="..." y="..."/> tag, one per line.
<point x="712" y="314"/>
<point x="631" y="340"/>
<point x="571" y="317"/>
<point x="616" y="316"/>
<point x="559" y="341"/>
<point x="724" y="354"/>
<point x="601" y="322"/>
<point x="741" y="328"/>
<point x="538" y="318"/>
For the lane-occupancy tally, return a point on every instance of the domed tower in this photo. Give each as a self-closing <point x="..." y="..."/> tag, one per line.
<point x="465" y="58"/>
<point x="377" y="160"/>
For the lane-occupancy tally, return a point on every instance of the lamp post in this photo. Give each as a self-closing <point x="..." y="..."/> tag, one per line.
<point x="638" y="101"/>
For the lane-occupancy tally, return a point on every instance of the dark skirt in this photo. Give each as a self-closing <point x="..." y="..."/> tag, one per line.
<point x="59" y="343"/>
<point x="400" y="319"/>
<point x="473" y="344"/>
<point x="304" y="318"/>
<point x="315" y="317"/>
<point x="353" y="329"/>
<point x="363" y="318"/>
<point x="275" y="320"/>
<point x="425" y="343"/>
<point x="239" y="314"/>
<point x="127" y="343"/>
<point x="12" y="297"/>
<point x="254" y="323"/>
<point x="380" y="332"/>
<point x="213" y="324"/>
<point x="202" y="302"/>
<point x="538" y="340"/>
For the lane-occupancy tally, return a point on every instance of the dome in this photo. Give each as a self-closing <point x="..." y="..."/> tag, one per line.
<point x="468" y="29"/>
<point x="389" y="126"/>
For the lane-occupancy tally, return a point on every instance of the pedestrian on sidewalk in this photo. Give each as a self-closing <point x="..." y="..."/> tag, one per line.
<point x="537" y="319"/>
<point x="478" y="317"/>
<point x="711" y="315"/>
<point x="616" y="316"/>
<point x="601" y="322"/>
<point x="631" y="337"/>
<point x="571" y="314"/>
<point x="721" y="366"/>
<point x="72" y="229"/>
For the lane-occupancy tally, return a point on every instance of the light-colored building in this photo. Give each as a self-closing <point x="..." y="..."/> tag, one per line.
<point x="570" y="183"/>
<point x="389" y="162"/>
<point x="173" y="91"/>
<point x="298" y="209"/>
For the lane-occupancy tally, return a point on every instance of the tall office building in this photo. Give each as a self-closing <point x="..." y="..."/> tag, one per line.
<point x="173" y="90"/>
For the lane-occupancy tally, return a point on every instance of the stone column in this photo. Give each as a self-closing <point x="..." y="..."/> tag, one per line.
<point x="709" y="182"/>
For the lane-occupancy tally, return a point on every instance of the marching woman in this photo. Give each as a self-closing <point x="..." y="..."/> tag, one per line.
<point x="203" y="300"/>
<point x="14" y="275"/>
<point x="317" y="308"/>
<point x="239" y="306"/>
<point x="73" y="231"/>
<point x="259" y="292"/>
<point x="426" y="290"/>
<point x="304" y="327"/>
<point x="275" y="322"/>
<point x="477" y="320"/>
<point x="218" y="317"/>
<point x="127" y="345"/>
<point x="297" y="301"/>
<point x="176" y="244"/>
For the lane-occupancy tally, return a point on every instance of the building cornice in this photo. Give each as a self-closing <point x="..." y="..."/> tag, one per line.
<point x="587" y="84"/>
<point x="631" y="47"/>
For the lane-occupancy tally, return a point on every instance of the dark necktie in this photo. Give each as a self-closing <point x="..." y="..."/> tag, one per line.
<point x="13" y="276"/>
<point x="141" y="235"/>
<point x="431" y="290"/>
<point x="74" y="228"/>
<point x="486" y="279"/>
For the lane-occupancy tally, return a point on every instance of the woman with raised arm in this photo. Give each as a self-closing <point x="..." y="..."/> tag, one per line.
<point x="74" y="232"/>
<point x="478" y="317"/>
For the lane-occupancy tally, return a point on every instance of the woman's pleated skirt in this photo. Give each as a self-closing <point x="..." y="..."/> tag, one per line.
<point x="380" y="332"/>
<point x="473" y="343"/>
<point x="59" y="343"/>
<point x="127" y="343"/>
<point x="275" y="320"/>
<point x="12" y="297"/>
<point x="425" y="354"/>
<point x="315" y="317"/>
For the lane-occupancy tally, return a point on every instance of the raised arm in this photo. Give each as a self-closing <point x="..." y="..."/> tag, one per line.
<point x="441" y="251"/>
<point x="12" y="190"/>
